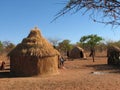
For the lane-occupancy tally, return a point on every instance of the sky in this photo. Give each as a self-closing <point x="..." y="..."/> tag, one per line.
<point x="19" y="17"/>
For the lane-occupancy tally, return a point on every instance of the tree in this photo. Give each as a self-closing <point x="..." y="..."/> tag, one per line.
<point x="8" y="46"/>
<point x="1" y="46"/>
<point x="65" y="45"/>
<point x="91" y="41"/>
<point x="102" y="11"/>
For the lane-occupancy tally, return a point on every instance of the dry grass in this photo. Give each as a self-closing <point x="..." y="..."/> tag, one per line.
<point x="33" y="56"/>
<point x="34" y="45"/>
<point x="77" y="75"/>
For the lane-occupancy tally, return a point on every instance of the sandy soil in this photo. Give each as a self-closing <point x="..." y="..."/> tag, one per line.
<point x="76" y="75"/>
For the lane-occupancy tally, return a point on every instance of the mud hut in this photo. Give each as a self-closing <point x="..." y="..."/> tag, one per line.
<point x="77" y="52"/>
<point x="113" y="54"/>
<point x="34" y="56"/>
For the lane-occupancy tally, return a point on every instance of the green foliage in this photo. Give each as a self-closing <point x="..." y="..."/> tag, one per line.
<point x="65" y="45"/>
<point x="79" y="44"/>
<point x="6" y="46"/>
<point x="1" y="46"/>
<point x="90" y="40"/>
<point x="9" y="47"/>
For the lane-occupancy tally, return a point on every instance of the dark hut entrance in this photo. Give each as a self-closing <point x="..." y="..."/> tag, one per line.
<point x="81" y="54"/>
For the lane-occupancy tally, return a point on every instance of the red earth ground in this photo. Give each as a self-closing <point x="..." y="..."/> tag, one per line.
<point x="76" y="75"/>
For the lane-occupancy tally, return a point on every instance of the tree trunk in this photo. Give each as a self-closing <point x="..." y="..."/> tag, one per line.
<point x="92" y="54"/>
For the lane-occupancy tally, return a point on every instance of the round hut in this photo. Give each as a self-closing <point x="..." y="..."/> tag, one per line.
<point x="77" y="52"/>
<point x="34" y="56"/>
<point x="113" y="54"/>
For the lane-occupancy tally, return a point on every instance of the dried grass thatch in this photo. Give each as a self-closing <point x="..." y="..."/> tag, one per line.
<point x="34" y="45"/>
<point x="77" y="52"/>
<point x="33" y="56"/>
<point x="113" y="54"/>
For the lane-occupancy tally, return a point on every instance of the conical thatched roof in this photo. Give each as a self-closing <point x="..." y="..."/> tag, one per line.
<point x="113" y="54"/>
<point x="34" y="45"/>
<point x="114" y="48"/>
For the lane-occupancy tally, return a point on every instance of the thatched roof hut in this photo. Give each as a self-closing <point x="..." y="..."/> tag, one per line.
<point x="34" y="56"/>
<point x="113" y="54"/>
<point x="77" y="52"/>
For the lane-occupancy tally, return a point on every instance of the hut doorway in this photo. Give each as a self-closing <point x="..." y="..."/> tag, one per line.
<point x="81" y="54"/>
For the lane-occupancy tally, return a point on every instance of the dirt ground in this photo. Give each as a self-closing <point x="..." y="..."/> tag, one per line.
<point x="76" y="75"/>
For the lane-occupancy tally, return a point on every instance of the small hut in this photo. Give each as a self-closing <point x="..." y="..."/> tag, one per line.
<point x="113" y="54"/>
<point x="77" y="52"/>
<point x="34" y="56"/>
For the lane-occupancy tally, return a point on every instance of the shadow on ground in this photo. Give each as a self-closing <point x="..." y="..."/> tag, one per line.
<point x="105" y="67"/>
<point x="5" y="74"/>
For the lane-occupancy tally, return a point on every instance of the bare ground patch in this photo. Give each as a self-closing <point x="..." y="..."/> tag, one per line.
<point x="75" y="76"/>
